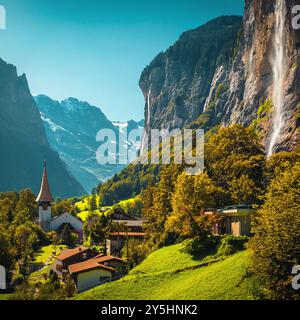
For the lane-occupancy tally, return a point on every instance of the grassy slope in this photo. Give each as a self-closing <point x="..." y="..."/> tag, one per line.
<point x="170" y="259"/>
<point x="156" y="280"/>
<point x="5" y="296"/>
<point x="47" y="253"/>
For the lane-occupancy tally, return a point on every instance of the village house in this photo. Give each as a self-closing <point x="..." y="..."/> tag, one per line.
<point x="235" y="220"/>
<point x="116" y="240"/>
<point x="96" y="271"/>
<point x="89" y="274"/>
<point x="111" y="261"/>
<point x="72" y="256"/>
<point x="87" y="267"/>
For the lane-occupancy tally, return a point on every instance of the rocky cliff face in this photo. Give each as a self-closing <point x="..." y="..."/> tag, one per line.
<point x="255" y="82"/>
<point x="252" y="80"/>
<point x="71" y="127"/>
<point x="23" y="141"/>
<point x="177" y="84"/>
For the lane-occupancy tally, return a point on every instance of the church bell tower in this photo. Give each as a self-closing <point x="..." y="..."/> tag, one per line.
<point x="44" y="200"/>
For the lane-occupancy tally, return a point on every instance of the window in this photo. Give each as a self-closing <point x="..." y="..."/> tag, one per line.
<point x="84" y="256"/>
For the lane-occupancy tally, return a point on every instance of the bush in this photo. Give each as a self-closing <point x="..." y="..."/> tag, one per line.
<point x="199" y="247"/>
<point x="18" y="280"/>
<point x="231" y="244"/>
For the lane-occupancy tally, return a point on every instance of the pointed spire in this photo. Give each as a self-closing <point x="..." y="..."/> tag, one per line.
<point x="45" y="193"/>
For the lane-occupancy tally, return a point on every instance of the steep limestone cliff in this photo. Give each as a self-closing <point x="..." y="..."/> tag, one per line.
<point x="252" y="79"/>
<point x="229" y="71"/>
<point x="177" y="83"/>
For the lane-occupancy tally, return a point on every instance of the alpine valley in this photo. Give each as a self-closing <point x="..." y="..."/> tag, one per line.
<point x="152" y="231"/>
<point x="71" y="128"/>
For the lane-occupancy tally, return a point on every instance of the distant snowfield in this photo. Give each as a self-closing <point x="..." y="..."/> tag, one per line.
<point x="71" y="127"/>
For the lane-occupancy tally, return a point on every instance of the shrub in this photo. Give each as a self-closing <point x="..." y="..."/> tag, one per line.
<point x="199" y="247"/>
<point x="18" y="279"/>
<point x="231" y="244"/>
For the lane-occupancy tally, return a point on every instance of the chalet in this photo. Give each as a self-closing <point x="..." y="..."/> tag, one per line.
<point x="89" y="274"/>
<point x="235" y="220"/>
<point x="116" y="240"/>
<point x="120" y="216"/>
<point x="111" y="261"/>
<point x="128" y="228"/>
<point x="72" y="256"/>
<point x="96" y="271"/>
<point x="133" y="225"/>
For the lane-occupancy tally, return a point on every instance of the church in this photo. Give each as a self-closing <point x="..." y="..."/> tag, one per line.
<point x="45" y="219"/>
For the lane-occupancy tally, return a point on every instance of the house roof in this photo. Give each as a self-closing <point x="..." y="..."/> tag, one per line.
<point x="130" y="223"/>
<point x="66" y="214"/>
<point x="71" y="252"/>
<point x="128" y="234"/>
<point x="241" y="210"/>
<point x="88" y="266"/>
<point x="45" y="193"/>
<point x="102" y="259"/>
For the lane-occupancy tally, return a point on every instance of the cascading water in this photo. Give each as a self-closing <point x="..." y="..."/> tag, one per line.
<point x="147" y="122"/>
<point x="279" y="71"/>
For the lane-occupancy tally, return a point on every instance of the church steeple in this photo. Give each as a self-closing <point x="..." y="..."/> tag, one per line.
<point x="44" y="200"/>
<point x="45" y="193"/>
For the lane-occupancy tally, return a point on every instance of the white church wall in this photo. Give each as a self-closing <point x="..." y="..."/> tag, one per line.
<point x="66" y="218"/>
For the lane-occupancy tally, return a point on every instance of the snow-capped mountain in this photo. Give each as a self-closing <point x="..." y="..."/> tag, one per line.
<point x="71" y="127"/>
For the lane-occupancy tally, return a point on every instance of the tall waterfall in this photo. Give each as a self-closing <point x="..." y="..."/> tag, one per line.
<point x="142" y="148"/>
<point x="279" y="71"/>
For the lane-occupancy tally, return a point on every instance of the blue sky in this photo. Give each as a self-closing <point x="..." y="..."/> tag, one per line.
<point x="96" y="50"/>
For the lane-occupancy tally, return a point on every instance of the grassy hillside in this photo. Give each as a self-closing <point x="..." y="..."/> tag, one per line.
<point x="159" y="277"/>
<point x="169" y="259"/>
<point x="5" y="296"/>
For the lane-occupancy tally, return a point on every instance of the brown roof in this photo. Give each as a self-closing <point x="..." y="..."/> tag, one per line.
<point x="101" y="258"/>
<point x="88" y="266"/>
<point x="128" y="234"/>
<point x="71" y="252"/>
<point x="130" y="223"/>
<point x="45" y="193"/>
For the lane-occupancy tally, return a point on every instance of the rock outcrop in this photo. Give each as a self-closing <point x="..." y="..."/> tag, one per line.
<point x="177" y="84"/>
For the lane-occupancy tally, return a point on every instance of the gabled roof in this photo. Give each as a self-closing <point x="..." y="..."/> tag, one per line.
<point x="45" y="193"/>
<point x="67" y="214"/>
<point x="130" y="223"/>
<point x="71" y="252"/>
<point x="88" y="266"/>
<point x="102" y="259"/>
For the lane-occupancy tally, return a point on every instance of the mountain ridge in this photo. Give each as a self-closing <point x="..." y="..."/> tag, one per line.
<point x="24" y="145"/>
<point x="75" y="140"/>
